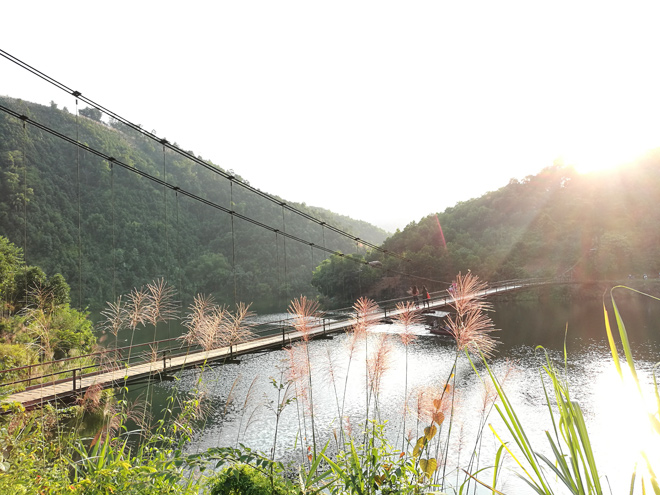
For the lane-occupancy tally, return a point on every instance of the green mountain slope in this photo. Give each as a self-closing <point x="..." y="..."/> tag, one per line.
<point x="556" y="223"/>
<point x="600" y="226"/>
<point x="107" y="229"/>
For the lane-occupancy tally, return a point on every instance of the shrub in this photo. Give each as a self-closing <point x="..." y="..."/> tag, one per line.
<point x="13" y="356"/>
<point x="241" y="479"/>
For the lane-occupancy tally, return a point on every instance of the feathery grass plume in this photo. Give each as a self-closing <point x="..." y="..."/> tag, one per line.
<point x="136" y="307"/>
<point x="116" y="416"/>
<point x="469" y="325"/>
<point x="304" y="313"/>
<point x="363" y="307"/>
<point x="468" y="293"/>
<point x="297" y="361"/>
<point x="407" y="316"/>
<point x="231" y="396"/>
<point x="205" y="322"/>
<point x="297" y="375"/>
<point x="114" y="317"/>
<point x="378" y="363"/>
<point x="161" y="306"/>
<point x="136" y="313"/>
<point x="235" y="328"/>
<point x="38" y="319"/>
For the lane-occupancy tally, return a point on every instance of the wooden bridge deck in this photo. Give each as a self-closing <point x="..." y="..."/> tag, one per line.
<point x="69" y="390"/>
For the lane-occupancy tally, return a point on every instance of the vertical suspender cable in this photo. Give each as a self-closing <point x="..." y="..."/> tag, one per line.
<point x="357" y="250"/>
<point x="25" y="222"/>
<point x="79" y="215"/>
<point x="233" y="240"/>
<point x="114" y="254"/>
<point x="277" y="267"/>
<point x="178" y="248"/>
<point x="286" y="286"/>
<point x="167" y="241"/>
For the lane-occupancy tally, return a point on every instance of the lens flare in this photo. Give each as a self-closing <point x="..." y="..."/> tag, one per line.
<point x="442" y="235"/>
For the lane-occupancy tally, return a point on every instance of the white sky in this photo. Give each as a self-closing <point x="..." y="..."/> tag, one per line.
<point x="383" y="111"/>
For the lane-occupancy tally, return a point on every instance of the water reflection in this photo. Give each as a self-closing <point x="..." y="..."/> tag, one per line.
<point x="524" y="326"/>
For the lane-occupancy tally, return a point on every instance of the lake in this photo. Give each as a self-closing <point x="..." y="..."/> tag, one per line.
<point x="240" y="397"/>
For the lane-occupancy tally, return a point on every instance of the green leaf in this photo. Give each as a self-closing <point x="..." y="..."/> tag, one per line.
<point x="430" y="431"/>
<point x="428" y="466"/>
<point x="421" y="442"/>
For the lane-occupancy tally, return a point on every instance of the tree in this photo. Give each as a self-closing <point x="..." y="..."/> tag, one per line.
<point x="11" y="260"/>
<point x="91" y="113"/>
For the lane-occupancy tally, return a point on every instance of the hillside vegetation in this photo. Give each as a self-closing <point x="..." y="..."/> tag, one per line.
<point x="107" y="230"/>
<point x="558" y="223"/>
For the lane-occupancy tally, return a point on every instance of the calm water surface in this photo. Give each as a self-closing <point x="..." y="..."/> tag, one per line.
<point x="240" y="397"/>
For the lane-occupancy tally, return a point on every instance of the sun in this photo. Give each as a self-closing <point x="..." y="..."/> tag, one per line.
<point x="599" y="160"/>
<point x="603" y="156"/>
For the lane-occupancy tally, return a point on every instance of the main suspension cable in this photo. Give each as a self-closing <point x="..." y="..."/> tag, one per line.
<point x="161" y="182"/>
<point x="190" y="156"/>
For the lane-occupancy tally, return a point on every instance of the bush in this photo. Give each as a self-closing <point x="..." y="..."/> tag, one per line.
<point x="241" y="479"/>
<point x="72" y="330"/>
<point x="13" y="356"/>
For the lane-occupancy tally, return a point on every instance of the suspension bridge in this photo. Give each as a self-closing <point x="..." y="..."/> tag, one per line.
<point x="120" y="366"/>
<point x="68" y="379"/>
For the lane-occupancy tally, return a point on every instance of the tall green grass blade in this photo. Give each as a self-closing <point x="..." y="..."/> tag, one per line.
<point x="610" y="339"/>
<point x="496" y="468"/>
<point x="654" y="478"/>
<point x="624" y="341"/>
<point x="517" y="431"/>
<point x="311" y="477"/>
<point x="586" y="447"/>
<point x="529" y="479"/>
<point x="656" y="423"/>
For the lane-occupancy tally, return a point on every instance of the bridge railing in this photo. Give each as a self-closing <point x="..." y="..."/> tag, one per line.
<point x="75" y="368"/>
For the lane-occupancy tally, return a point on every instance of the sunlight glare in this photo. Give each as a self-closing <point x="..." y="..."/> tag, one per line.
<point x="625" y="422"/>
<point x="586" y="163"/>
<point x="586" y="158"/>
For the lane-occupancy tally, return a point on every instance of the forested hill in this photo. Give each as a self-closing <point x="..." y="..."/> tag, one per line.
<point x="108" y="230"/>
<point x="595" y="226"/>
<point x="598" y="226"/>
